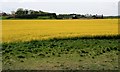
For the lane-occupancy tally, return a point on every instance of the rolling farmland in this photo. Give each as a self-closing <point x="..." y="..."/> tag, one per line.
<point x="60" y="44"/>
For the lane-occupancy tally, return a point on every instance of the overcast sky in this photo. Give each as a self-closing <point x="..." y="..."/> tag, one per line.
<point x="105" y="7"/>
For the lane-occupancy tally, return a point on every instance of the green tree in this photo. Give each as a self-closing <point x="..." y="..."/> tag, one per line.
<point x="19" y="11"/>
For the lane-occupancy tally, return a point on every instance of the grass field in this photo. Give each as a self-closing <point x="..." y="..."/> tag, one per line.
<point x="62" y="54"/>
<point x="60" y="44"/>
<point x="26" y="30"/>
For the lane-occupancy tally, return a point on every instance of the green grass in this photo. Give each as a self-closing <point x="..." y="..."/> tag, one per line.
<point x="82" y="53"/>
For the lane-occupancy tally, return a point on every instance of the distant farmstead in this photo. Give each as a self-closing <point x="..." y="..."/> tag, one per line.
<point x="98" y="16"/>
<point x="78" y="16"/>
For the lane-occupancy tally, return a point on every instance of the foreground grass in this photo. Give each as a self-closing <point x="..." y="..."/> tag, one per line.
<point x="83" y="53"/>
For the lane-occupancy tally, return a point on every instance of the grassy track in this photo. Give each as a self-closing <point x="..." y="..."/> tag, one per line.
<point x="86" y="53"/>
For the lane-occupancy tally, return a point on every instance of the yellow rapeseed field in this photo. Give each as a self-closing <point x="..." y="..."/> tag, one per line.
<point x="25" y="30"/>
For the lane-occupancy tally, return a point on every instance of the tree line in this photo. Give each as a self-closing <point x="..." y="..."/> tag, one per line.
<point x="21" y="13"/>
